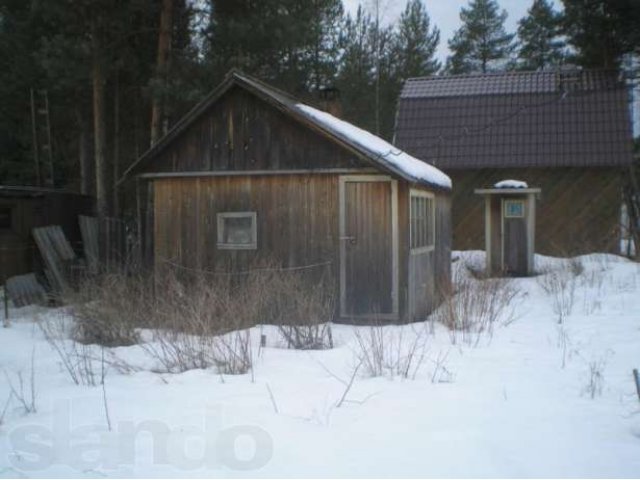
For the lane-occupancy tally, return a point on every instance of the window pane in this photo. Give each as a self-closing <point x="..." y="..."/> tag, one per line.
<point x="422" y="218"/>
<point x="237" y="230"/>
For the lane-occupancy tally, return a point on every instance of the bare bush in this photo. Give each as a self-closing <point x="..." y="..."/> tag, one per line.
<point x="24" y="394"/>
<point x="76" y="358"/>
<point x="107" y="309"/>
<point x="300" y="303"/>
<point x="471" y="307"/>
<point x="385" y="351"/>
<point x="197" y="318"/>
<point x="200" y="323"/>
<point x="5" y="407"/>
<point x="595" y="378"/>
<point x="560" y="286"/>
<point x="307" y="310"/>
<point x="441" y="373"/>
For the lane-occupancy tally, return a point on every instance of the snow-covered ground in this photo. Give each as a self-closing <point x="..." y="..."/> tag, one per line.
<point x="517" y="404"/>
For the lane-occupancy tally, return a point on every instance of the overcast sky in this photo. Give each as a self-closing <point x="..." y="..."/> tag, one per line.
<point x="445" y="14"/>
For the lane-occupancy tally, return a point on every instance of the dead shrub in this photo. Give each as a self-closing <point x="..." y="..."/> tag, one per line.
<point x="390" y="350"/>
<point x="202" y="319"/>
<point x="471" y="307"/>
<point x="76" y="358"/>
<point x="106" y="309"/>
<point x="560" y="286"/>
<point x="196" y="324"/>
<point x="306" y="309"/>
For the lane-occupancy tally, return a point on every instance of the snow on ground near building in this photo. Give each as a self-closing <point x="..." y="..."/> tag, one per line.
<point x="504" y="407"/>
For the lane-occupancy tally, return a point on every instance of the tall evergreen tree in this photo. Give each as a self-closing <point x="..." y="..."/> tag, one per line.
<point x="602" y="31"/>
<point x="539" y="37"/>
<point x="281" y="41"/>
<point x="416" y="42"/>
<point x="481" y="44"/>
<point x="357" y="69"/>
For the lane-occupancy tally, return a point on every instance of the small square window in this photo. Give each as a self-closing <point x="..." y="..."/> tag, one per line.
<point x="237" y="231"/>
<point x="514" y="208"/>
<point x="5" y="218"/>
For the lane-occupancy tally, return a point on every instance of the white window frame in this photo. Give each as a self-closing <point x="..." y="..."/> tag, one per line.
<point x="427" y="248"/>
<point x="237" y="246"/>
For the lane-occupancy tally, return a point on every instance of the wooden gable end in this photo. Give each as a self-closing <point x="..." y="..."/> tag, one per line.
<point x="242" y="132"/>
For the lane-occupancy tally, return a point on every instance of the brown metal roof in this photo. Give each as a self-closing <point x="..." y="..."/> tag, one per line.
<point x="516" y="119"/>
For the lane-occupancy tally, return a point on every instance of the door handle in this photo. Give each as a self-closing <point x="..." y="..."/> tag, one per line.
<point x="351" y="240"/>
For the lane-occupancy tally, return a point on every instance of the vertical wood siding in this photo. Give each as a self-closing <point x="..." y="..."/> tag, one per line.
<point x="369" y="256"/>
<point x="578" y="210"/>
<point x="243" y="132"/>
<point x="297" y="222"/>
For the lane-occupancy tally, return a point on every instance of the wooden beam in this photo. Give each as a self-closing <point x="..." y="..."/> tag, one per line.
<point x="247" y="173"/>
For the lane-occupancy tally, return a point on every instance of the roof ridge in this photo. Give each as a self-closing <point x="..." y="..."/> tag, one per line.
<point x="513" y="73"/>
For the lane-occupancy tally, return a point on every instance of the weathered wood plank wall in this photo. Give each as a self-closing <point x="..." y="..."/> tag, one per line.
<point x="578" y="211"/>
<point x="243" y="132"/>
<point x="297" y="221"/>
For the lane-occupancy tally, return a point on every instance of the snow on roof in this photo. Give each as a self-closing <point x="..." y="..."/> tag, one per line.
<point x="387" y="153"/>
<point x="511" y="184"/>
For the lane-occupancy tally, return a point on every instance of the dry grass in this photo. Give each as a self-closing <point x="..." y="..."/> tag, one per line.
<point x="390" y="350"/>
<point x="472" y="306"/>
<point x="560" y="285"/>
<point x="194" y="319"/>
<point x="108" y="308"/>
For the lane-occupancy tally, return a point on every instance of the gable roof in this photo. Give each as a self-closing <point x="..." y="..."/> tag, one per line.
<point x="365" y="145"/>
<point x="564" y="118"/>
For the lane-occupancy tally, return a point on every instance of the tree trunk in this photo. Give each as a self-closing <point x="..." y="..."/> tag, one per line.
<point x="84" y="154"/>
<point x="116" y="143"/>
<point x="162" y="65"/>
<point x="103" y="188"/>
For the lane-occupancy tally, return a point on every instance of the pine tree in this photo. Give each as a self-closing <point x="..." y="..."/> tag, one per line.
<point x="539" y="33"/>
<point x="602" y="31"/>
<point x="357" y="69"/>
<point x="416" y="43"/>
<point x="481" y="44"/>
<point x="285" y="42"/>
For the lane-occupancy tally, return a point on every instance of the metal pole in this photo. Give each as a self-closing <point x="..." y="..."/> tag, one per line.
<point x="6" y="308"/>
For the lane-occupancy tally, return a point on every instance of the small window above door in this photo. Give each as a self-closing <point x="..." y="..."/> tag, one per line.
<point x="237" y="231"/>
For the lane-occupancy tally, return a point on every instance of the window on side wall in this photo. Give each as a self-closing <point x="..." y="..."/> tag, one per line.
<point x="237" y="231"/>
<point x="422" y="221"/>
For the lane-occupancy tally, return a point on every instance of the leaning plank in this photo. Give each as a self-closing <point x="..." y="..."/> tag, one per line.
<point x="56" y="253"/>
<point x="25" y="290"/>
<point x="89" y="232"/>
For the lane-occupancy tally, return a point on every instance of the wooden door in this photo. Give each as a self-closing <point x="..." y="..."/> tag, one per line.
<point x="368" y="247"/>
<point x="515" y="243"/>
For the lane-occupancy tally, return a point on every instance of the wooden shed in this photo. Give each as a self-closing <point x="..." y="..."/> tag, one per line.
<point x="24" y="208"/>
<point x="510" y="227"/>
<point x="252" y="172"/>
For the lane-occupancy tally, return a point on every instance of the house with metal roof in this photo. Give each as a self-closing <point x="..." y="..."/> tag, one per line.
<point x="567" y="132"/>
<point x="252" y="173"/>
